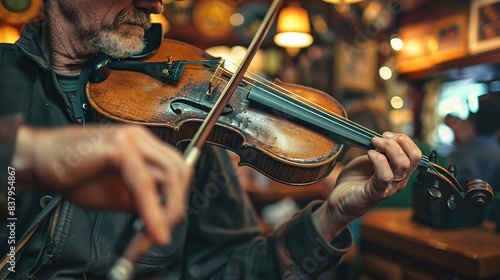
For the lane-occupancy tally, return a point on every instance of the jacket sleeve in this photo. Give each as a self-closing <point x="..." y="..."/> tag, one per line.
<point x="8" y="129"/>
<point x="223" y="240"/>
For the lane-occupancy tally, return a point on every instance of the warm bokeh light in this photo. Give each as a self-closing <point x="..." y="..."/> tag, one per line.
<point x="396" y="43"/>
<point x="385" y="72"/>
<point x="372" y="10"/>
<point x="397" y="102"/>
<point x="401" y="117"/>
<point x="414" y="47"/>
<point x="236" y="19"/>
<point x="433" y="45"/>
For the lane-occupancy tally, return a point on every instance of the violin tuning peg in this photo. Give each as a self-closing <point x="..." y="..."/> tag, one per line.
<point x="453" y="170"/>
<point x="434" y="192"/>
<point x="433" y="156"/>
<point x="451" y="204"/>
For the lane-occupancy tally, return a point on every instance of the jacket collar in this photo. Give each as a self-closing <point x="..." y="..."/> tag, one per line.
<point x="30" y="44"/>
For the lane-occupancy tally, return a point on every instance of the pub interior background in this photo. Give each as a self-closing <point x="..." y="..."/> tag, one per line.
<point x="399" y="65"/>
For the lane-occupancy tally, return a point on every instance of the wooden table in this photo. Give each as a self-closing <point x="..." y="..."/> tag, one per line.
<point x="395" y="247"/>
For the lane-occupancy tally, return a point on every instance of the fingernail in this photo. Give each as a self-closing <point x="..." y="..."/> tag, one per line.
<point x="388" y="134"/>
<point x="376" y="138"/>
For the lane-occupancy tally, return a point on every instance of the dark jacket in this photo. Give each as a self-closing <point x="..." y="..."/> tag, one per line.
<point x="218" y="240"/>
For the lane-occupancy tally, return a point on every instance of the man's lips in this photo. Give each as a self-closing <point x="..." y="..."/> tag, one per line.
<point x="155" y="6"/>
<point x="126" y="25"/>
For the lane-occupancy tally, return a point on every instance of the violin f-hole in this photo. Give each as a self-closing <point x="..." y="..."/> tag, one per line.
<point x="177" y="105"/>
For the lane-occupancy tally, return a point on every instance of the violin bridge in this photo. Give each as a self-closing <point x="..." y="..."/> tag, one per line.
<point x="216" y="78"/>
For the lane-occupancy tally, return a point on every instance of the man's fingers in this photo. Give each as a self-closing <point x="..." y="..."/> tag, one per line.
<point x="411" y="150"/>
<point x="160" y="154"/>
<point x="396" y="157"/>
<point x="157" y="177"/>
<point x="175" y="180"/>
<point x="172" y="175"/>
<point x="401" y="156"/>
<point x="147" y="199"/>
<point x="382" y="170"/>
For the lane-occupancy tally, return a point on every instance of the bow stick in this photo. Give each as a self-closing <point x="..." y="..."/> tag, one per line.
<point x="124" y="267"/>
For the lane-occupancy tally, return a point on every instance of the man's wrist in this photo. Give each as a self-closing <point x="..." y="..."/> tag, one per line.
<point x="327" y="226"/>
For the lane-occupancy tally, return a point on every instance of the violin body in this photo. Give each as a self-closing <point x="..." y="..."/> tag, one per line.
<point x="266" y="139"/>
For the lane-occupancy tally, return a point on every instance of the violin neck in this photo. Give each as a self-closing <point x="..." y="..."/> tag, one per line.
<point x="329" y="122"/>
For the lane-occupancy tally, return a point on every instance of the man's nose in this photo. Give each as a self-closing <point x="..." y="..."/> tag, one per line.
<point x="154" y="6"/>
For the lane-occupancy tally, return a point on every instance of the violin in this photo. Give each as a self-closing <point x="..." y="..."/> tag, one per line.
<point x="291" y="133"/>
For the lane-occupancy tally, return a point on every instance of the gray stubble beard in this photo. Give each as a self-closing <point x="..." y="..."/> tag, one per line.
<point x="112" y="43"/>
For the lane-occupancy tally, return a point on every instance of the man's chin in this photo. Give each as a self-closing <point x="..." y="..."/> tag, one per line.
<point x="119" y="45"/>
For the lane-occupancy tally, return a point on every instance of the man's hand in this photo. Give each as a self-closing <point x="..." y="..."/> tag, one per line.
<point x="109" y="167"/>
<point x="366" y="181"/>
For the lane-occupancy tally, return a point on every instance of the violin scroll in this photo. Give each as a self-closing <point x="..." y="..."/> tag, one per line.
<point x="478" y="192"/>
<point x="442" y="182"/>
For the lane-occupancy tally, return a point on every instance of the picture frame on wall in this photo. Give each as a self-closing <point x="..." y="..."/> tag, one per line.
<point x="355" y="66"/>
<point x="484" y="26"/>
<point x="448" y="39"/>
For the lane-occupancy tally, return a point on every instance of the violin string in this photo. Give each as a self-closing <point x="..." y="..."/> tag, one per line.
<point x="267" y="86"/>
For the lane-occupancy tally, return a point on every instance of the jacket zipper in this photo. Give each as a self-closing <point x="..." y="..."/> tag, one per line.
<point x="48" y="254"/>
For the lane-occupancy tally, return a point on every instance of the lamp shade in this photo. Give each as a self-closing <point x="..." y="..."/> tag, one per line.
<point x="8" y="34"/>
<point x="293" y="30"/>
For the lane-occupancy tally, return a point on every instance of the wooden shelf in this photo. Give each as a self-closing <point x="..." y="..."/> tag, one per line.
<point x="441" y="69"/>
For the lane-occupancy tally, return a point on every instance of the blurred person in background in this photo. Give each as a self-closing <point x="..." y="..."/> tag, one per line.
<point x="476" y="152"/>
